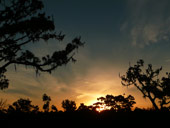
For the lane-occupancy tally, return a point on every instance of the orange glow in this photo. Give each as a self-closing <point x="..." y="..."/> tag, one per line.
<point x="103" y="107"/>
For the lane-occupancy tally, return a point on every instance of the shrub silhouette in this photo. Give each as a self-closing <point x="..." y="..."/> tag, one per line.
<point x="148" y="83"/>
<point x="69" y="106"/>
<point x="54" y="108"/>
<point x="23" y="22"/>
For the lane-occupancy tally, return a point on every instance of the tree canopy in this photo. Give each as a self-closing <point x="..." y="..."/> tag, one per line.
<point x="115" y="103"/>
<point x="23" y="105"/>
<point x="147" y="81"/>
<point x="23" y="22"/>
<point x="69" y="105"/>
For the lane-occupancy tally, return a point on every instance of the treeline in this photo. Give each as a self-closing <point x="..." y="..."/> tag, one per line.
<point x="109" y="103"/>
<point x="120" y="103"/>
<point x="109" y="109"/>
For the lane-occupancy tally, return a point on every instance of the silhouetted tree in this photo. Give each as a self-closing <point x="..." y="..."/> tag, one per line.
<point x="68" y="105"/>
<point x="23" y="22"/>
<point x="124" y="103"/>
<point x="147" y="82"/>
<point x="108" y="100"/>
<point x="83" y="107"/>
<point x="116" y="103"/>
<point x="98" y="106"/>
<point x="46" y="100"/>
<point x="54" y="108"/>
<point x="23" y="105"/>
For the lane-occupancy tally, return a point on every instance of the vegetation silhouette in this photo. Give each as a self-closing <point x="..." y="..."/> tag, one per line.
<point x="83" y="108"/>
<point x="68" y="105"/>
<point x="115" y="103"/>
<point x="22" y="111"/>
<point x="46" y="100"/>
<point x="23" y="22"/>
<point x="23" y="106"/>
<point x="149" y="84"/>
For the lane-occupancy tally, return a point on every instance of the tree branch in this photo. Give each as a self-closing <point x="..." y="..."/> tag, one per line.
<point x="140" y="90"/>
<point x="5" y="65"/>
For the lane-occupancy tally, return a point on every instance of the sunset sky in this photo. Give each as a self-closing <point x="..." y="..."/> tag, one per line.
<point x="116" y="32"/>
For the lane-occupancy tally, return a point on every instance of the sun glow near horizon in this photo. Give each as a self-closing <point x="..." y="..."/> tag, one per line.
<point x="102" y="108"/>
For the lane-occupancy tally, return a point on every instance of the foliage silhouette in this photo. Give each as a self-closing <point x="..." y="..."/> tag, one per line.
<point x="46" y="100"/>
<point x="23" y="22"/>
<point x="22" y="112"/>
<point x="54" y="108"/>
<point x="147" y="82"/>
<point x="83" y="108"/>
<point x="69" y="105"/>
<point x="23" y="106"/>
<point x="115" y="103"/>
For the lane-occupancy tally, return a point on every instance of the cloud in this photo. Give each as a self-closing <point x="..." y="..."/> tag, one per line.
<point x="20" y="92"/>
<point x="148" y="22"/>
<point x="144" y="35"/>
<point x="149" y="33"/>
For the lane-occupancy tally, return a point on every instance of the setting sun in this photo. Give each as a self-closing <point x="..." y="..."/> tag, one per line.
<point x="103" y="107"/>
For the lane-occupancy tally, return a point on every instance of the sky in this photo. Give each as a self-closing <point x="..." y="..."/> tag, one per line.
<point x="115" y="32"/>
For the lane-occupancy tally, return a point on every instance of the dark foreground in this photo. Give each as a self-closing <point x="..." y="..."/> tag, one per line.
<point x="86" y="119"/>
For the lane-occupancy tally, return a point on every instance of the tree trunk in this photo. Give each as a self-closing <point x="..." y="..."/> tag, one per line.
<point x="153" y="103"/>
